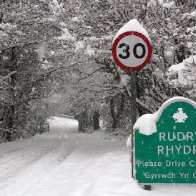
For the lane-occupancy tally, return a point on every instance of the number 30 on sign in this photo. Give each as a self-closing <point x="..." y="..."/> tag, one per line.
<point x="131" y="51"/>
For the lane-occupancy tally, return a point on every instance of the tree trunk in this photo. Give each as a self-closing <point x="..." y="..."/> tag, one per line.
<point x="9" y="110"/>
<point x="96" y="120"/>
<point x="114" y="123"/>
<point x="82" y="120"/>
<point x="116" y="110"/>
<point x="8" y="121"/>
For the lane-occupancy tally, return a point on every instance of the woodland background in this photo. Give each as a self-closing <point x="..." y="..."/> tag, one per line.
<point x="55" y="59"/>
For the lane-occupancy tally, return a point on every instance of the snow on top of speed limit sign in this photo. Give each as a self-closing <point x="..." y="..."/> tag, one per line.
<point x="132" y="25"/>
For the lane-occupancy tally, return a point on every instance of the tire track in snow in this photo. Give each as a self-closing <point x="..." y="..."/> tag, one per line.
<point x="85" y="169"/>
<point x="32" y="161"/>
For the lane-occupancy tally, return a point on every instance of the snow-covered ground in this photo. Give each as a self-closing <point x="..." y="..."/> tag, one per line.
<point x="65" y="163"/>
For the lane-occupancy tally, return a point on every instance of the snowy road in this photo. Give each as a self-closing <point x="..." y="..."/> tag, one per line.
<point x="65" y="163"/>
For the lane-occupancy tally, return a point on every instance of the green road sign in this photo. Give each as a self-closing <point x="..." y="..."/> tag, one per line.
<point x="169" y="154"/>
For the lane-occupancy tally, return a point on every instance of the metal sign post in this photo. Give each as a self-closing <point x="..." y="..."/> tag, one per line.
<point x="133" y="114"/>
<point x="133" y="120"/>
<point x="131" y="51"/>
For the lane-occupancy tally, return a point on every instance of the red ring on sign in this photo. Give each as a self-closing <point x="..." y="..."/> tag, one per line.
<point x="114" y="49"/>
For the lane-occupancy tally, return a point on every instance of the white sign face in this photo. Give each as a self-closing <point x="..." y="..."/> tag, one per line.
<point x="131" y="50"/>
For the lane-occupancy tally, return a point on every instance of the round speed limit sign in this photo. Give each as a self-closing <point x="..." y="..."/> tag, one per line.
<point x="131" y="51"/>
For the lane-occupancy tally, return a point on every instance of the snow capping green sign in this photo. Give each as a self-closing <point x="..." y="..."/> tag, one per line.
<point x="165" y="144"/>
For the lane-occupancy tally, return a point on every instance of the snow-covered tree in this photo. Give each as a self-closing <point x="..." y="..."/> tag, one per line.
<point x="56" y="58"/>
<point x="25" y="34"/>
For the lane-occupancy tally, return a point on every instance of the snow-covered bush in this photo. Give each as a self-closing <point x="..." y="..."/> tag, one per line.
<point x="183" y="76"/>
